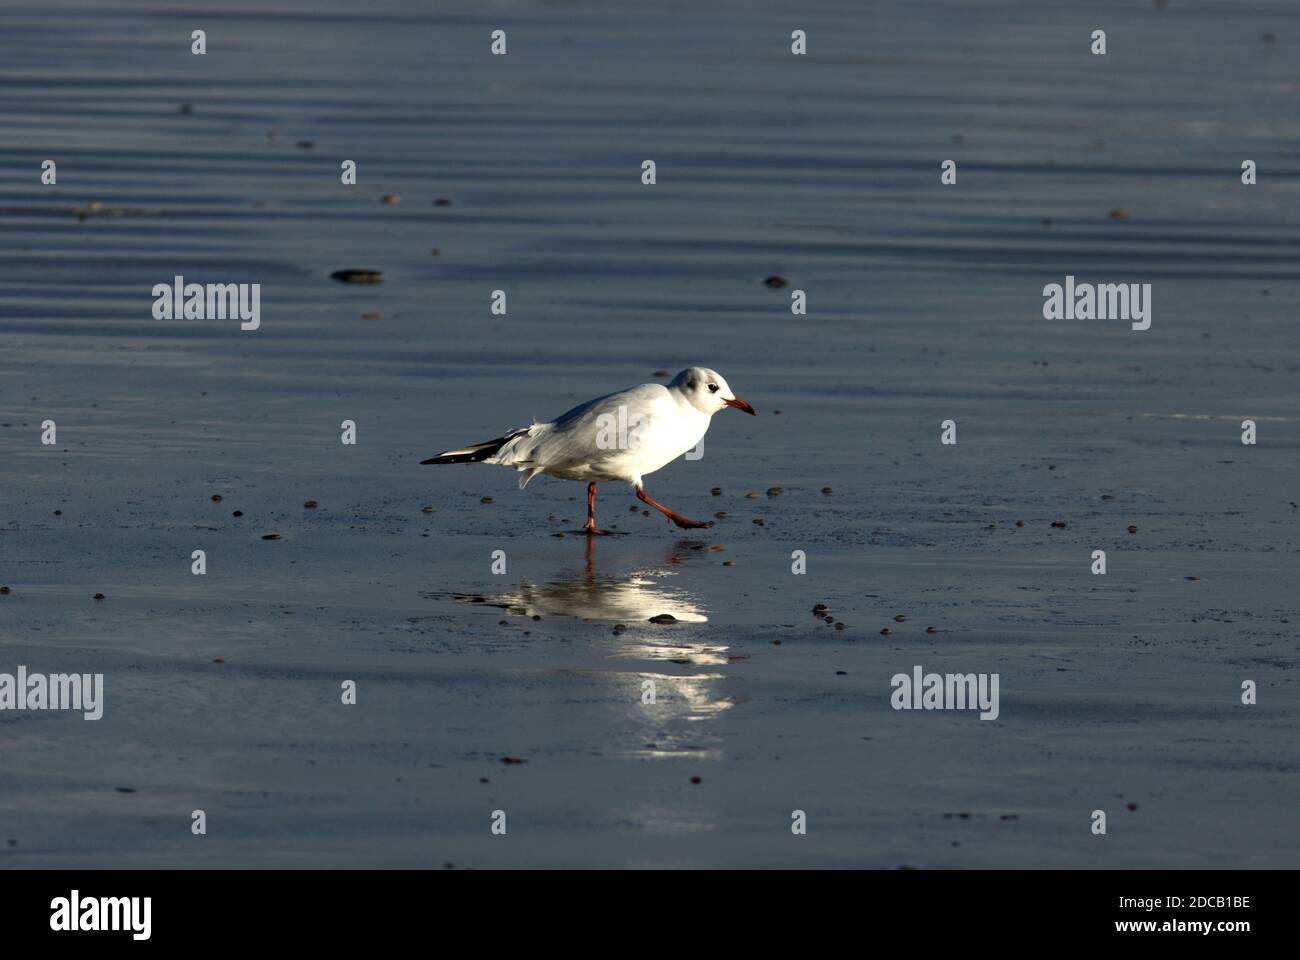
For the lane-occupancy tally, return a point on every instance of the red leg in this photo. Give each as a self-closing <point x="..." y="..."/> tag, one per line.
<point x="672" y="516"/>
<point x="590" y="525"/>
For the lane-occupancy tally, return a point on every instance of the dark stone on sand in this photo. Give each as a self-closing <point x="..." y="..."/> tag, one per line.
<point x="309" y="505"/>
<point x="774" y="491"/>
<point x="442" y="202"/>
<point x="99" y="596"/>
<point x="238" y="513"/>
<point x="1132" y="529"/>
<point x="1059" y="524"/>
<point x="775" y="282"/>
<point x="663" y="618"/>
<point x="716" y="491"/>
<point x="270" y="536"/>
<point x="307" y="144"/>
<point x="695" y="780"/>
<point x="827" y="490"/>
<point x="216" y="498"/>
<point x="5" y="590"/>
<point x="728" y="563"/>
<point x="513" y="760"/>
<point x="391" y="198"/>
<point x="486" y="500"/>
<point x="758" y="522"/>
<point x="884" y="632"/>
<point x="931" y="629"/>
<point x="619" y="628"/>
<point x="899" y="617"/>
<point x="358" y="276"/>
<point x="372" y="315"/>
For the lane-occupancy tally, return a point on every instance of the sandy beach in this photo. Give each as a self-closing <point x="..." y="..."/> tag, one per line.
<point x="478" y="692"/>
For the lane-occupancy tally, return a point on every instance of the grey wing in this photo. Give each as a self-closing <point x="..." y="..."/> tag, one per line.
<point x="583" y="435"/>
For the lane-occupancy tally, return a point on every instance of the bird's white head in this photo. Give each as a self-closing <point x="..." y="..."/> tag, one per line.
<point x="706" y="391"/>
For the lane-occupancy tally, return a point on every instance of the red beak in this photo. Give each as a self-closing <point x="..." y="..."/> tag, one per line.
<point x="739" y="405"/>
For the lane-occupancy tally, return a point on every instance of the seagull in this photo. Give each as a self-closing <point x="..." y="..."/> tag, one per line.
<point x="620" y="436"/>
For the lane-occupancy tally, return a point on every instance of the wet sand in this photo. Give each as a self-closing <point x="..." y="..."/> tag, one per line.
<point x="924" y="305"/>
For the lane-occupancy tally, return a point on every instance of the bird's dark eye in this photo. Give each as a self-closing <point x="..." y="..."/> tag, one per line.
<point x="713" y="388"/>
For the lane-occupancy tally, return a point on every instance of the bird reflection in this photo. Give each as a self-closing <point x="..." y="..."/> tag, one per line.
<point x="633" y="597"/>
<point x="665" y="710"/>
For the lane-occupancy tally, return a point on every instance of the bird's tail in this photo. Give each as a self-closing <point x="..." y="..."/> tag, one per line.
<point x="475" y="452"/>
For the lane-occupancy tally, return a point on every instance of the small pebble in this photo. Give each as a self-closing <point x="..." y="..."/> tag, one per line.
<point x="58" y="513"/>
<point x="306" y="144"/>
<point x="216" y="498"/>
<point x="5" y="590"/>
<point x="839" y="626"/>
<point x="1020" y="523"/>
<point x="1118" y="213"/>
<point x="238" y="513"/>
<point x="899" y="618"/>
<point x="1132" y="529"/>
<point x="1131" y="806"/>
<point x="695" y="780"/>
<point x="512" y="760"/>
<point x="99" y="596"/>
<point x="775" y="282"/>
<point x="358" y="276"/>
<point x="426" y="509"/>
<point x="716" y="491"/>
<point x="728" y="563"/>
<point x="931" y="629"/>
<point x="310" y="504"/>
<point x="827" y="491"/>
<point x="270" y="536"/>
<point x="619" y="628"/>
<point x="372" y="315"/>
<point x="884" y="632"/>
<point x="758" y="522"/>
<point x="663" y="618"/>
<point x="721" y="514"/>
<point x="486" y="500"/>
<point x="1059" y="524"/>
<point x="442" y="202"/>
<point x="774" y="491"/>
<point x="391" y="198"/>
<point x="752" y="496"/>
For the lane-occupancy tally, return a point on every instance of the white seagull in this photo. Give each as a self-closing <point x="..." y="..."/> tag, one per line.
<point x="622" y="436"/>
